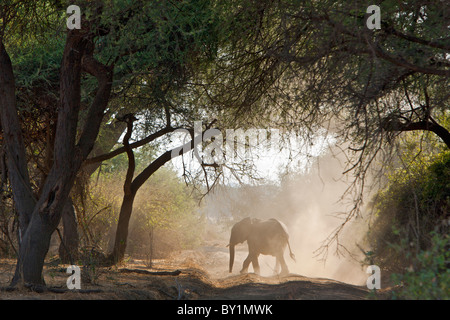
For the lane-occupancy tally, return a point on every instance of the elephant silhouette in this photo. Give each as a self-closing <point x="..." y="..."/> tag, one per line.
<point x="268" y="237"/>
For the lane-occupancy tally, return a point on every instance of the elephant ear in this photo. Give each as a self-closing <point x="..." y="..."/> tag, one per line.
<point x="239" y="231"/>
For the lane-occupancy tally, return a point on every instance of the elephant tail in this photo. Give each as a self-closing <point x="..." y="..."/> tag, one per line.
<point x="287" y="239"/>
<point x="290" y="251"/>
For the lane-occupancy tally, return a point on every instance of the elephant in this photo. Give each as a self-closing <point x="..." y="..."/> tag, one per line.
<point x="263" y="237"/>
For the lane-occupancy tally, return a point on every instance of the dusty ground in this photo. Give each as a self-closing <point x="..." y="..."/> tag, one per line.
<point x="187" y="278"/>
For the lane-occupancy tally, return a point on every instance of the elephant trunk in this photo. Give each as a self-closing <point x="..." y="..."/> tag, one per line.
<point x="231" y="257"/>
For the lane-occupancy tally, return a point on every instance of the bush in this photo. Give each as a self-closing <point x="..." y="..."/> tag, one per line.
<point x="430" y="277"/>
<point x="410" y="232"/>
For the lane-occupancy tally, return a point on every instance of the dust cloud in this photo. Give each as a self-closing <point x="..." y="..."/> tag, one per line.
<point x="309" y="205"/>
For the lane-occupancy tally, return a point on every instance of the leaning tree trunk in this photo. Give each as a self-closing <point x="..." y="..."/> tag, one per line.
<point x="120" y="242"/>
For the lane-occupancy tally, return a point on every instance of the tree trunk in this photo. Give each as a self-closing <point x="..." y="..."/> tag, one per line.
<point x="151" y="249"/>
<point x="68" y="155"/>
<point x="14" y="146"/>
<point x="68" y="249"/>
<point x="48" y="210"/>
<point x="33" y="250"/>
<point x="120" y="242"/>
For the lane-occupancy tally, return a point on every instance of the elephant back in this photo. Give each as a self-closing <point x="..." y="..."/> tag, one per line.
<point x="282" y="225"/>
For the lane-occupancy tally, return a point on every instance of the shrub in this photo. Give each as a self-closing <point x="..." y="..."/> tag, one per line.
<point x="410" y="232"/>
<point x="429" y="278"/>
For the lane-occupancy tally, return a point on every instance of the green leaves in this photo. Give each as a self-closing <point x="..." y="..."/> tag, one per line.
<point x="411" y="229"/>
<point x="156" y="36"/>
<point x="430" y="277"/>
<point x="38" y="62"/>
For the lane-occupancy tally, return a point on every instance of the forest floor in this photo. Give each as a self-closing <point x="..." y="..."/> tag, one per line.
<point x="188" y="275"/>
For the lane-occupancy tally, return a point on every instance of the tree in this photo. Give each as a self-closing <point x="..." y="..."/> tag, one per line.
<point x="315" y="64"/>
<point x="299" y="66"/>
<point x="41" y="216"/>
<point x="132" y="185"/>
<point x="77" y="128"/>
<point x="36" y="66"/>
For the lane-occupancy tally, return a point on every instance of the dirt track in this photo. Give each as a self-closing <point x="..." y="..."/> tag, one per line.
<point x="136" y="281"/>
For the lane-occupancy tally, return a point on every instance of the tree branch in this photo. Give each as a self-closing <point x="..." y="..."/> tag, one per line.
<point x="399" y="61"/>
<point x="133" y="145"/>
<point x="405" y="64"/>
<point x="162" y="160"/>
<point x="167" y="156"/>
<point x="439" y="44"/>
<point x="104" y="75"/>
<point x="433" y="126"/>
<point x="129" y="119"/>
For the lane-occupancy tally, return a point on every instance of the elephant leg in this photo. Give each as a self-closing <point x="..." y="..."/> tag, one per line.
<point x="246" y="264"/>
<point x="282" y="262"/>
<point x="255" y="264"/>
<point x="277" y="266"/>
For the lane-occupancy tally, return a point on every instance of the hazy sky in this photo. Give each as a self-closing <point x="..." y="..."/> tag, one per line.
<point x="269" y="161"/>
